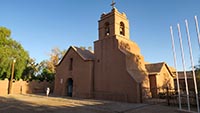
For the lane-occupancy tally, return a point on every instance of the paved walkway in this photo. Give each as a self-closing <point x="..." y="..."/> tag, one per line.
<point x="43" y="104"/>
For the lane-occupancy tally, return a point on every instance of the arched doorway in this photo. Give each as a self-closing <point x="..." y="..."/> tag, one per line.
<point x="69" y="87"/>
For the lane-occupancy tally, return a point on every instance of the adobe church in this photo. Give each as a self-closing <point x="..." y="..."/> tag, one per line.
<point x="116" y="70"/>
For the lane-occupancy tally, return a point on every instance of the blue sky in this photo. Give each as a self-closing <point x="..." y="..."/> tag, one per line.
<point x="40" y="25"/>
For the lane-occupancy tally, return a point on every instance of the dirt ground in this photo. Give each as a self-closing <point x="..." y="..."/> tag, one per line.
<point x="43" y="104"/>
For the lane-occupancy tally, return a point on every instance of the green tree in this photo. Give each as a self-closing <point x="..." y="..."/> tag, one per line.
<point x="31" y="70"/>
<point x="9" y="50"/>
<point x="4" y="32"/>
<point x="46" y="75"/>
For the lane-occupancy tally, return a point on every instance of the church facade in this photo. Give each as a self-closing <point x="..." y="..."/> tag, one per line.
<point x="116" y="70"/>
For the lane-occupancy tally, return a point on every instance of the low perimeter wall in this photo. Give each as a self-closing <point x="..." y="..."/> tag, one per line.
<point x="24" y="87"/>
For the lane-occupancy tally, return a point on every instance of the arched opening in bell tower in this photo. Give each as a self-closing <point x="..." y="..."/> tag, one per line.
<point x="122" y="29"/>
<point x="107" y="29"/>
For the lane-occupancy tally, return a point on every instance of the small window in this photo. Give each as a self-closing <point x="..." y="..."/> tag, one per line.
<point x="107" y="29"/>
<point x="71" y="64"/>
<point x="122" y="29"/>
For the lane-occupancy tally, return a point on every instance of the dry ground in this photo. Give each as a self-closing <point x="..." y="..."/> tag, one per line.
<point x="43" y="104"/>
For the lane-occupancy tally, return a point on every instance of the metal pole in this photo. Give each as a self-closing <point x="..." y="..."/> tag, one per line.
<point x="197" y="29"/>
<point x="183" y="61"/>
<point x="11" y="78"/>
<point x="192" y="64"/>
<point x="175" y="65"/>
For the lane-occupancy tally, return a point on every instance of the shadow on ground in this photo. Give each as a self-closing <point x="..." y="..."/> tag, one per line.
<point x="42" y="104"/>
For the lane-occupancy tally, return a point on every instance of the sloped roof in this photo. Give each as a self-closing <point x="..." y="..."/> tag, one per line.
<point x="83" y="53"/>
<point x="154" y="68"/>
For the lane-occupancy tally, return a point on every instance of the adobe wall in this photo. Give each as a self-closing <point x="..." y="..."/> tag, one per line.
<point x="159" y="82"/>
<point x="4" y="87"/>
<point x="24" y="87"/>
<point x="164" y="79"/>
<point x="35" y="86"/>
<point x="135" y="65"/>
<point x="113" y="79"/>
<point x="81" y="74"/>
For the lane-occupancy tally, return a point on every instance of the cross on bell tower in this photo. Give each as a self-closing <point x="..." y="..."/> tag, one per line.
<point x="113" y="4"/>
<point x="113" y="24"/>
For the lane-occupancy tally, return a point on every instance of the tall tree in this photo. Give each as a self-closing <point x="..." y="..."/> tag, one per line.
<point x="55" y="56"/>
<point x="47" y="67"/>
<point x="31" y="70"/>
<point x="10" y="50"/>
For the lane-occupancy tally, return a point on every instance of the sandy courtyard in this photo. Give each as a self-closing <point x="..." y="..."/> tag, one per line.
<point x="43" y="104"/>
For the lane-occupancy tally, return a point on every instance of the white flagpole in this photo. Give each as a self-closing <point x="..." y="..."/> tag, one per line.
<point x="197" y="30"/>
<point x="192" y="64"/>
<point x="183" y="61"/>
<point x="175" y="65"/>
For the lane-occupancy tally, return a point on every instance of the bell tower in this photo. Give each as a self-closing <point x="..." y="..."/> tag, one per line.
<point x="119" y="67"/>
<point x="113" y="24"/>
